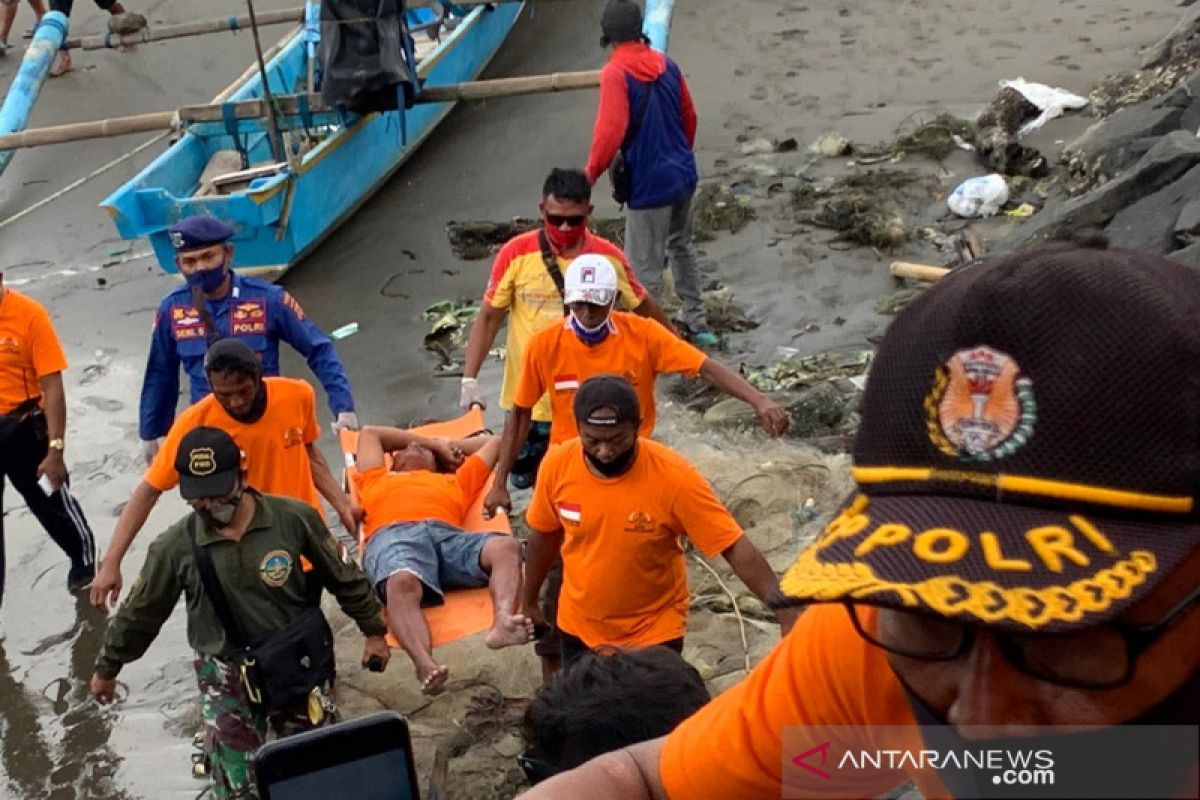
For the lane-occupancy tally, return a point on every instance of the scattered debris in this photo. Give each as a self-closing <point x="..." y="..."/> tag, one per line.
<point x="717" y="207"/>
<point x="831" y="145"/>
<point x="982" y="196"/>
<point x="892" y="303"/>
<point x="346" y="330"/>
<point x="861" y="207"/>
<point x="793" y="373"/>
<point x="480" y="239"/>
<point x="997" y="130"/>
<point x="450" y="320"/>
<point x="937" y="138"/>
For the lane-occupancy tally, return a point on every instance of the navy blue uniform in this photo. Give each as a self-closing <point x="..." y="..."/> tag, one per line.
<point x="255" y="312"/>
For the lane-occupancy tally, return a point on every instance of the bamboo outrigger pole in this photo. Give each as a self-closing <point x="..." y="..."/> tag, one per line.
<point x="288" y="104"/>
<point x="160" y="33"/>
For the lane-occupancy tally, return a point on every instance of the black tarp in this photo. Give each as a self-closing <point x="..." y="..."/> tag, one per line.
<point x="365" y="55"/>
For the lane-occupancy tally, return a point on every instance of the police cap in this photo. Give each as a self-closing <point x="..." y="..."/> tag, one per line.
<point x="196" y="232"/>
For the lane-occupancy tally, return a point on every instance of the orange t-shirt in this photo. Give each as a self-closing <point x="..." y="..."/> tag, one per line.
<point x="624" y="575"/>
<point x="637" y="349"/>
<point x="276" y="456"/>
<point x="520" y="283"/>
<point x="388" y="497"/>
<point x="824" y="676"/>
<point x="29" y="349"/>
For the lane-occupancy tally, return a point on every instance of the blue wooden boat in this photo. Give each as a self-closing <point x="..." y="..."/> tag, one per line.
<point x="281" y="213"/>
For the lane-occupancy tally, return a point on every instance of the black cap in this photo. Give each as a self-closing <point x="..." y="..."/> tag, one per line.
<point x="621" y="21"/>
<point x="196" y="232"/>
<point x="208" y="463"/>
<point x="1029" y="455"/>
<point x="607" y="391"/>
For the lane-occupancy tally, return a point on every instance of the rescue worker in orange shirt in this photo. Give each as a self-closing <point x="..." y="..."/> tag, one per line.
<point x="273" y="420"/>
<point x="1018" y="571"/>
<point x="616" y="505"/>
<point x="33" y="424"/>
<point x="595" y="339"/>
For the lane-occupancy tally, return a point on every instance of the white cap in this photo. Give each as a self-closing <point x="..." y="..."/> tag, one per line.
<point x="590" y="278"/>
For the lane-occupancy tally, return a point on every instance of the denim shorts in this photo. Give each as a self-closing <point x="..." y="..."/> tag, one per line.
<point x="441" y="556"/>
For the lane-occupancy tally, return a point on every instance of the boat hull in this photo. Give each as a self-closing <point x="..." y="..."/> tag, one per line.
<point x="281" y="218"/>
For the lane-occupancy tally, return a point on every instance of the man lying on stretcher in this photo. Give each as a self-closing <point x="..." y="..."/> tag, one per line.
<point x="415" y="548"/>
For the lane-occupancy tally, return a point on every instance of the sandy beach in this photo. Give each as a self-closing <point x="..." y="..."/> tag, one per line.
<point x="758" y="69"/>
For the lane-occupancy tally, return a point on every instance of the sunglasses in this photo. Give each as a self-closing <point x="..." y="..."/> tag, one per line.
<point x="572" y="220"/>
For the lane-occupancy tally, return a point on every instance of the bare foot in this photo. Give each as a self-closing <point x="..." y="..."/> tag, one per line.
<point x="433" y="679"/>
<point x="61" y="65"/>
<point x="509" y="629"/>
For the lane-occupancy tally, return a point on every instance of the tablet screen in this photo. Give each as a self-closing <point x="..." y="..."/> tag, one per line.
<point x="379" y="777"/>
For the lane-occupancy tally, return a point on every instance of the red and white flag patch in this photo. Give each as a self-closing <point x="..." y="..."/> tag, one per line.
<point x="566" y="383"/>
<point x="570" y="512"/>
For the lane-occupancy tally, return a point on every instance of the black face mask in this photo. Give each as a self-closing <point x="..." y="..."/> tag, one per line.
<point x="1085" y="770"/>
<point x="258" y="406"/>
<point x="611" y="469"/>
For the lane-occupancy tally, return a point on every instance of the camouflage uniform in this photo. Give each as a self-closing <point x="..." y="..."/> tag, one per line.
<point x="234" y="729"/>
<point x="264" y="589"/>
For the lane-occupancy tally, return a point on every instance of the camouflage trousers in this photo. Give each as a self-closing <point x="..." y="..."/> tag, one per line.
<point x="234" y="728"/>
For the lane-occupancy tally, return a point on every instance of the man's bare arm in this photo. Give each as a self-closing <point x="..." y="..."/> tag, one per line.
<point x="542" y="552"/>
<point x="329" y="488"/>
<point x="630" y="773"/>
<point x="752" y="569"/>
<point x="773" y="419"/>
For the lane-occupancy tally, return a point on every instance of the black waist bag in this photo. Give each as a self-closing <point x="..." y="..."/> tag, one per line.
<point x="618" y="172"/>
<point x="284" y="668"/>
<point x="281" y="670"/>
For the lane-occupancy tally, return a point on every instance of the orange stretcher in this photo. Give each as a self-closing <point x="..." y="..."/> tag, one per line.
<point x="466" y="611"/>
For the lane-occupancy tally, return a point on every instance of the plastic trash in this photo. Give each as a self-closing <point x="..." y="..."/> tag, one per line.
<point x="344" y="331"/>
<point x="979" y="197"/>
<point x="1052" y="102"/>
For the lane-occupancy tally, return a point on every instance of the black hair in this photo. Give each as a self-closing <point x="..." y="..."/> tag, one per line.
<point x="608" y="700"/>
<point x="567" y="184"/>
<point x="605" y="41"/>
<point x="232" y="356"/>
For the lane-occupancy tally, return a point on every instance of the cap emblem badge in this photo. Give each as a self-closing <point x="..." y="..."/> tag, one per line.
<point x="980" y="407"/>
<point x="202" y="461"/>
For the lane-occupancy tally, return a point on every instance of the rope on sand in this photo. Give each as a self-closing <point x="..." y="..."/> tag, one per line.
<point x="94" y="174"/>
<point x="737" y="611"/>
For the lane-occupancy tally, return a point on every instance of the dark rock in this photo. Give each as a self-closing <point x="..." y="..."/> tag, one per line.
<point x="1149" y="224"/>
<point x="996" y="141"/>
<point x="1189" y="255"/>
<point x="1108" y="146"/>
<point x="1185" y="31"/>
<point x="1187" y="227"/>
<point x="816" y="410"/>
<point x="1170" y="157"/>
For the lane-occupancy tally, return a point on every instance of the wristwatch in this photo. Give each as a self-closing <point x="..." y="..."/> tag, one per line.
<point x="58" y="444"/>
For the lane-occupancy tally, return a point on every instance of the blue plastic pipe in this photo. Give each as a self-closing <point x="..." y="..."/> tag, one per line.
<point x="657" y="23"/>
<point x="35" y="67"/>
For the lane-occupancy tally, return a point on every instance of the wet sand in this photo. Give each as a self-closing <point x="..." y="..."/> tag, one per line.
<point x="756" y="68"/>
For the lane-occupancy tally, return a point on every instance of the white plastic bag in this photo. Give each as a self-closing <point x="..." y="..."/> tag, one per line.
<point x="1050" y="101"/>
<point x="979" y="197"/>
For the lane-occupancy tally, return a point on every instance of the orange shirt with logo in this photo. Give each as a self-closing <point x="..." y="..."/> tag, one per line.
<point x="637" y="348"/>
<point x="276" y="457"/>
<point x="624" y="574"/>
<point x="519" y="282"/>
<point x="823" y="676"/>
<point x="389" y="497"/>
<point x="29" y="349"/>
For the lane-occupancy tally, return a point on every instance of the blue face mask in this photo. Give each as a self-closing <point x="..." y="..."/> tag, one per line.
<point x="590" y="336"/>
<point x="208" y="280"/>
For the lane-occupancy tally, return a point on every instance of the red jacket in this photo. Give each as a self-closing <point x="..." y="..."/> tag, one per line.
<point x="636" y="60"/>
